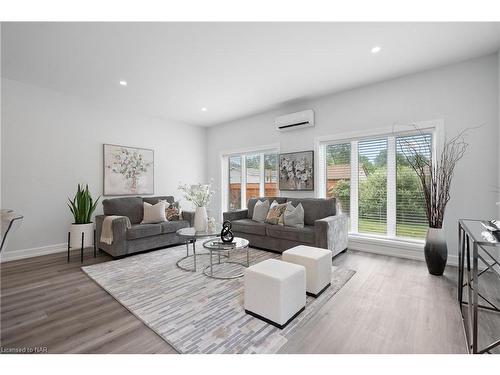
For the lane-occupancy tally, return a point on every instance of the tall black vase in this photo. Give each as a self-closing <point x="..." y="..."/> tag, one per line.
<point x="436" y="251"/>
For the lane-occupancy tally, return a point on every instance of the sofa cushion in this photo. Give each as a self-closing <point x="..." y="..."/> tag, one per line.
<point x="126" y="206"/>
<point x="248" y="226"/>
<point x="315" y="208"/>
<point x="153" y="200"/>
<point x="173" y="226"/>
<point x="252" y="201"/>
<point x="305" y="235"/>
<point x="143" y="230"/>
<point x="154" y="213"/>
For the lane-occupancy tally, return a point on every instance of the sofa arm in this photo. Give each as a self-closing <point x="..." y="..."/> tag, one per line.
<point x="119" y="246"/>
<point x="331" y="233"/>
<point x="235" y="215"/>
<point x="189" y="217"/>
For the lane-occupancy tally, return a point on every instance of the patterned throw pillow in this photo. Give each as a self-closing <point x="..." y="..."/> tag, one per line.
<point x="275" y="214"/>
<point x="173" y="212"/>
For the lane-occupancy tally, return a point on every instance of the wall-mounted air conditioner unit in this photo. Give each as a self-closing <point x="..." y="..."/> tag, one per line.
<point x="293" y="121"/>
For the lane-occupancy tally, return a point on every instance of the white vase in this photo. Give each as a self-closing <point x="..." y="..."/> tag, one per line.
<point x="200" y="219"/>
<point x="76" y="231"/>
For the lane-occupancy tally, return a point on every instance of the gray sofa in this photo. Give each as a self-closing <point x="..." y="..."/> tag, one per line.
<point x="139" y="237"/>
<point x="322" y="226"/>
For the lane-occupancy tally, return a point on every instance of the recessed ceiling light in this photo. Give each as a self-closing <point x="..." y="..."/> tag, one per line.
<point x="376" y="49"/>
<point x="203" y="109"/>
<point x="123" y="83"/>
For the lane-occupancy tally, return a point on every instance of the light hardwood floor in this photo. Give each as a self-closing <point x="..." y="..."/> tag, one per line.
<point x="390" y="305"/>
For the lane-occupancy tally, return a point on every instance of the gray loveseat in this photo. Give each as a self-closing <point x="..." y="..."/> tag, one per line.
<point x="139" y="237"/>
<point x="322" y="226"/>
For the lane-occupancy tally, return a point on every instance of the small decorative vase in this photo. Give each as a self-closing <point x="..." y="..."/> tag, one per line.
<point x="200" y="219"/>
<point x="76" y="231"/>
<point x="436" y="251"/>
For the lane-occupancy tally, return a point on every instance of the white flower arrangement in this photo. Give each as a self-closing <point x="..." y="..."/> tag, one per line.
<point x="200" y="194"/>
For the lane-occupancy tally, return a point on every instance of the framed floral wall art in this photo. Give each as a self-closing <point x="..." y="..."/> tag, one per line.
<point x="296" y="171"/>
<point x="128" y="170"/>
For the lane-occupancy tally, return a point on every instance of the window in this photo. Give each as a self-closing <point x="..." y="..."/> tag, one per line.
<point x="338" y="174"/>
<point x="271" y="175"/>
<point x="411" y="219"/>
<point x="234" y="182"/>
<point x="375" y="185"/>
<point x="372" y="195"/>
<point x="251" y="175"/>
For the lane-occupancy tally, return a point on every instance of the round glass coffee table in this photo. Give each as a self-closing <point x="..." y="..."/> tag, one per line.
<point x="223" y="253"/>
<point x="190" y="235"/>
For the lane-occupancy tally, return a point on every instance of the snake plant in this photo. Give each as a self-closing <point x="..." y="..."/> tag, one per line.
<point x="82" y="206"/>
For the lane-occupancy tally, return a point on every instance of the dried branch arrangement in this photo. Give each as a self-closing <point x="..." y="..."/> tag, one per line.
<point x="436" y="175"/>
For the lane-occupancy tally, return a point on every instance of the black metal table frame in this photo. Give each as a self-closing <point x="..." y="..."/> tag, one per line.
<point x="465" y="241"/>
<point x="81" y="249"/>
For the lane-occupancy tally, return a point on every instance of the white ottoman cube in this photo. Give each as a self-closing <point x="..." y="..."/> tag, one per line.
<point x="275" y="291"/>
<point x="318" y="264"/>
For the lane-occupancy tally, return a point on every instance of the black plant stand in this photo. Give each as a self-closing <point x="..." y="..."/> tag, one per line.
<point x="81" y="249"/>
<point x="474" y="246"/>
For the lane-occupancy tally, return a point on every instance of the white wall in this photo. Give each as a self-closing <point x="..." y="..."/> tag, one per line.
<point x="52" y="141"/>
<point x="463" y="95"/>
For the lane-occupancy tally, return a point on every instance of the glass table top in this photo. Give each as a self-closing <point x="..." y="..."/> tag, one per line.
<point x="479" y="233"/>
<point x="192" y="233"/>
<point x="217" y="245"/>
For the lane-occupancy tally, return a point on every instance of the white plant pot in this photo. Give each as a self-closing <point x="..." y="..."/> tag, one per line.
<point x="200" y="219"/>
<point x="76" y="231"/>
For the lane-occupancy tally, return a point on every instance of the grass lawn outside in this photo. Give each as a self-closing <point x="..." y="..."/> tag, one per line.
<point x="417" y="231"/>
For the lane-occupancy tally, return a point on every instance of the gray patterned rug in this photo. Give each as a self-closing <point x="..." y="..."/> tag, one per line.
<point x="194" y="313"/>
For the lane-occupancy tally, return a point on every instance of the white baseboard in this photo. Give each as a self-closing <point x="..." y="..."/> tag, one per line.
<point x="399" y="249"/>
<point x="10" y="255"/>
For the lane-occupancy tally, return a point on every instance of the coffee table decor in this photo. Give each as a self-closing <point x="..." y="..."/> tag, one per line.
<point x="231" y="268"/>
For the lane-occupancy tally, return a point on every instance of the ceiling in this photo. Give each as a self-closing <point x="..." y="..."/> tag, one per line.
<point x="231" y="69"/>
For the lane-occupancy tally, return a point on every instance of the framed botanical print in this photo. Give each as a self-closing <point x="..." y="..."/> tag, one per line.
<point x="296" y="171"/>
<point x="128" y="170"/>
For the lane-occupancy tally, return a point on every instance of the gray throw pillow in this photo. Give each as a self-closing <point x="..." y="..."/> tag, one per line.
<point x="294" y="216"/>
<point x="260" y="211"/>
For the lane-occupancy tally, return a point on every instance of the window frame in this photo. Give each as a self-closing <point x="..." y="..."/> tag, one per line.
<point x="433" y="127"/>
<point x="263" y="150"/>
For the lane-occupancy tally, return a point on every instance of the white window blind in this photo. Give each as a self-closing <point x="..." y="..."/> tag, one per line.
<point x="372" y="195"/>
<point x="411" y="219"/>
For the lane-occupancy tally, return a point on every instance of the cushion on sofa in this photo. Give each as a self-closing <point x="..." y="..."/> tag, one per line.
<point x="315" y="208"/>
<point x="305" y="235"/>
<point x="126" y="206"/>
<point x="173" y="226"/>
<point x="143" y="230"/>
<point x="260" y="211"/>
<point x="152" y="200"/>
<point x="154" y="213"/>
<point x="252" y="201"/>
<point x="249" y="226"/>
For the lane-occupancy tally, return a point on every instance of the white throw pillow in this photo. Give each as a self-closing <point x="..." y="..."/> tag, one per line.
<point x="154" y="213"/>
<point x="294" y="216"/>
<point x="260" y="211"/>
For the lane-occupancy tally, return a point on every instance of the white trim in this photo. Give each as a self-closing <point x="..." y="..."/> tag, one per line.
<point x="262" y="175"/>
<point x="353" y="211"/>
<point x="243" y="190"/>
<point x="274" y="147"/>
<point x="391" y="186"/>
<point x="395" y="129"/>
<point x="390" y="247"/>
<point x="10" y="255"/>
<point x="224" y="179"/>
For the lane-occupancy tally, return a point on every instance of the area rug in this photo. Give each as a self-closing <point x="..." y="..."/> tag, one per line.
<point x="195" y="313"/>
